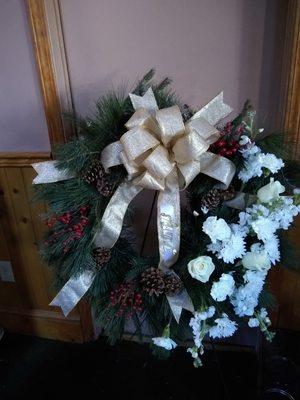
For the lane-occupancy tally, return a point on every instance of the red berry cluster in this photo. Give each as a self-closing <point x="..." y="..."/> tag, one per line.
<point x="227" y="148"/>
<point x="126" y="299"/>
<point x="74" y="224"/>
<point x="228" y="144"/>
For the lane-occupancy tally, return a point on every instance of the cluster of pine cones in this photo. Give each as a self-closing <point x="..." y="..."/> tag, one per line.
<point x="156" y="282"/>
<point x="95" y="174"/>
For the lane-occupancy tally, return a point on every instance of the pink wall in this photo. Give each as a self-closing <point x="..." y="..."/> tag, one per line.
<point x="205" y="45"/>
<point x="22" y="121"/>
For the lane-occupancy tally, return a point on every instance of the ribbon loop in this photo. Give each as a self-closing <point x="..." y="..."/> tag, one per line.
<point x="137" y="141"/>
<point x="189" y="147"/>
<point x="171" y="124"/>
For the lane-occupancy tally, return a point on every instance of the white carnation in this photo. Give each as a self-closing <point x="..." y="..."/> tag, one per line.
<point x="245" y="298"/>
<point x="253" y="322"/>
<point x="271" y="162"/>
<point x="255" y="161"/>
<point x="222" y="288"/>
<point x="264" y="228"/>
<point x="224" y="327"/>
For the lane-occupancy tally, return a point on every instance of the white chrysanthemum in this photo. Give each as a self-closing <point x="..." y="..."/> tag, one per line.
<point x="232" y="249"/>
<point x="216" y="229"/>
<point x="224" y="327"/>
<point x="222" y="288"/>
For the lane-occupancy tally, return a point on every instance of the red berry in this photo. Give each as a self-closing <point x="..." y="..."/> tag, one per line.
<point x="220" y="143"/>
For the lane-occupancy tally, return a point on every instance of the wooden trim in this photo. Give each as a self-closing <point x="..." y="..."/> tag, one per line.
<point x="42" y="49"/>
<point x="60" y="64"/>
<point x="291" y="75"/>
<point x="47" y="324"/>
<point x="22" y="159"/>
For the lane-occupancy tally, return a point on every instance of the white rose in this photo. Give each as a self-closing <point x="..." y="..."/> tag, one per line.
<point x="165" y="342"/>
<point x="256" y="261"/>
<point x="216" y="229"/>
<point x="270" y="192"/>
<point x="201" y="268"/>
<point x="222" y="288"/>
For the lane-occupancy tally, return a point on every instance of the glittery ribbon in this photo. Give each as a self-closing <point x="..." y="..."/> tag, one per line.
<point x="161" y="152"/>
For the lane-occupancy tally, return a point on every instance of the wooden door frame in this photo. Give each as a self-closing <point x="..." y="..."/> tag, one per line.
<point x="291" y="75"/>
<point x="48" y="44"/>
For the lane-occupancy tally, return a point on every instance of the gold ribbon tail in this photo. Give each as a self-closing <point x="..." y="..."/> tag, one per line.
<point x="168" y="226"/>
<point x="180" y="301"/>
<point x="168" y="221"/>
<point x="112" y="219"/>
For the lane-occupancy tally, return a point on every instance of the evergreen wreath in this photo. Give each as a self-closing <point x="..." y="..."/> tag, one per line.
<point x="230" y="236"/>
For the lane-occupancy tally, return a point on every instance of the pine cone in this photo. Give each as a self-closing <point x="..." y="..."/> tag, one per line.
<point x="173" y="284"/>
<point x="152" y="281"/>
<point x="94" y="171"/>
<point x="101" y="256"/>
<point x="186" y="112"/>
<point x="228" y="194"/>
<point x="212" y="199"/>
<point x="104" y="187"/>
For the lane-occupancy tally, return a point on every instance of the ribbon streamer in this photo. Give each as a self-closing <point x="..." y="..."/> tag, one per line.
<point x="47" y="172"/>
<point x="73" y="291"/>
<point x="159" y="152"/>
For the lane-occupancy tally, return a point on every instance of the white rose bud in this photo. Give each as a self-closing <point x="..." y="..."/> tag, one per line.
<point x="201" y="268"/>
<point x="164" y="342"/>
<point x="256" y="261"/>
<point x="270" y="192"/>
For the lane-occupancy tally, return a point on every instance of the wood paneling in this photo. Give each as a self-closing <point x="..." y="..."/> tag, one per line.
<point x="24" y="304"/>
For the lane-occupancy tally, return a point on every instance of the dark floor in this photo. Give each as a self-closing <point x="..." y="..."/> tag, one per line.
<point x="39" y="368"/>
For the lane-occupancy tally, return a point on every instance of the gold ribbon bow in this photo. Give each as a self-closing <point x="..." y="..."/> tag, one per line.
<point x="161" y="152"/>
